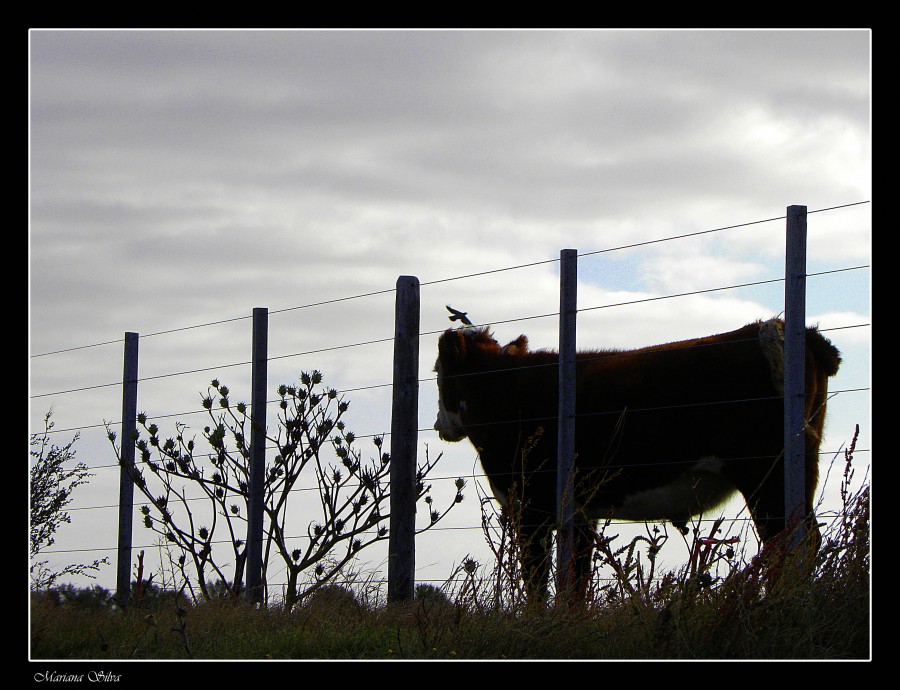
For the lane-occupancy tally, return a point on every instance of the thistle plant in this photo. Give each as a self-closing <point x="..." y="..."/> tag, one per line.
<point x="311" y="440"/>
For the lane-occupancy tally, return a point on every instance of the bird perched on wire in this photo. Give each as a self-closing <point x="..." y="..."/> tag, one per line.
<point x="456" y="315"/>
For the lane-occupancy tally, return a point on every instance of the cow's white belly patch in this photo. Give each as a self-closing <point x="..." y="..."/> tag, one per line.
<point x="701" y="487"/>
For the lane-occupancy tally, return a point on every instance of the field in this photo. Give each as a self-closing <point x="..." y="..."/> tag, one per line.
<point x="768" y="608"/>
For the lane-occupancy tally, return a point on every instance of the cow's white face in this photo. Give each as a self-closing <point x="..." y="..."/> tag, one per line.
<point x="449" y="423"/>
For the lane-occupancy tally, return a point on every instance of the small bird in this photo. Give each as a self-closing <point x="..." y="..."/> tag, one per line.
<point x="456" y="315"/>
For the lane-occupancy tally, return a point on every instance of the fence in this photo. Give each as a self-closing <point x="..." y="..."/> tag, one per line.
<point x="404" y="415"/>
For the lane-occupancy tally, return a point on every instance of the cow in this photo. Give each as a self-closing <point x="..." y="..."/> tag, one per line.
<point x="663" y="433"/>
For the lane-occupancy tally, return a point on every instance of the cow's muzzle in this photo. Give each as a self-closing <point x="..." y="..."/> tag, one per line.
<point x="449" y="426"/>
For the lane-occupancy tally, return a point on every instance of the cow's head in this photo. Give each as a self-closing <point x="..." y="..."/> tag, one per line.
<point x="452" y="347"/>
<point x="461" y="354"/>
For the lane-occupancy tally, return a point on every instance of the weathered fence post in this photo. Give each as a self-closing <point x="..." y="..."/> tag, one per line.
<point x="126" y="483"/>
<point x="568" y="307"/>
<point x="404" y="439"/>
<point x="257" y="479"/>
<point x="794" y="361"/>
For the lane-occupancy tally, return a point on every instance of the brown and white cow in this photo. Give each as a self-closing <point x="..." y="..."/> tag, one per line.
<point x="662" y="433"/>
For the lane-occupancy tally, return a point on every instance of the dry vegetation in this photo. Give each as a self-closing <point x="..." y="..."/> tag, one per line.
<point x="718" y="606"/>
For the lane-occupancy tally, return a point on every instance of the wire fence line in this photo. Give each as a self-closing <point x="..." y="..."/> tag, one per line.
<point x="383" y="340"/>
<point x="475" y="475"/>
<point x="453" y="278"/>
<point x="438" y="528"/>
<point x="389" y="384"/>
<point x="426" y="333"/>
<point x="448" y="478"/>
<point x="429" y="429"/>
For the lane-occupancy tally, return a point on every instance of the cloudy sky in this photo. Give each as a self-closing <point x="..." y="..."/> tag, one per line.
<point x="178" y="179"/>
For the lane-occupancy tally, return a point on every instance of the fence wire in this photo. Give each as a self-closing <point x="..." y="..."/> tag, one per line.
<point x="473" y="476"/>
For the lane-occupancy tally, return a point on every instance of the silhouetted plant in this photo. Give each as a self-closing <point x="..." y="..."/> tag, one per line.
<point x="51" y="487"/>
<point x="430" y="594"/>
<point x="95" y="598"/>
<point x="333" y="599"/>
<point x="311" y="439"/>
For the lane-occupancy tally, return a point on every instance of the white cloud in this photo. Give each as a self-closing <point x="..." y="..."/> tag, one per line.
<point x="675" y="273"/>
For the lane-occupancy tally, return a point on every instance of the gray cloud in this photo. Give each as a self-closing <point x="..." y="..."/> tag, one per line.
<point x="183" y="177"/>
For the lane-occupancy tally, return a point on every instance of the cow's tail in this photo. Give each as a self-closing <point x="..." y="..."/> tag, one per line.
<point x="826" y="355"/>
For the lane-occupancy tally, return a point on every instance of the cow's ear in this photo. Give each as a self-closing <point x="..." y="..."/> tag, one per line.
<point x="451" y="345"/>
<point x="517" y="347"/>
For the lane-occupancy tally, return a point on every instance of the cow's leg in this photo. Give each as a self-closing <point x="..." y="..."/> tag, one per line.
<point x="584" y="536"/>
<point x="780" y="553"/>
<point x="812" y="440"/>
<point x="534" y="548"/>
<point x="764" y="493"/>
<point x="762" y="486"/>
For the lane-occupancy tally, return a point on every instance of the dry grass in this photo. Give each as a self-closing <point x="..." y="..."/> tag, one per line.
<point x="766" y="607"/>
<point x="748" y="616"/>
